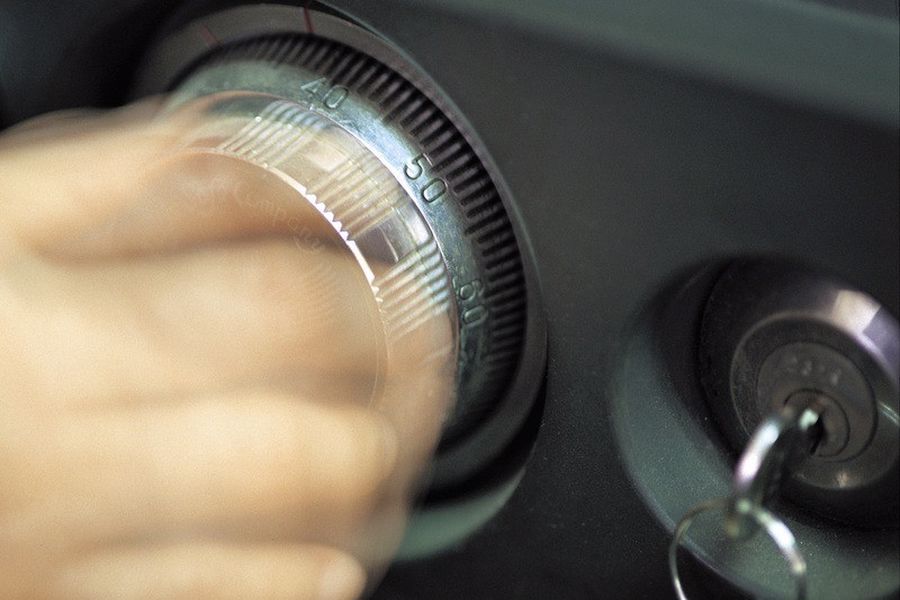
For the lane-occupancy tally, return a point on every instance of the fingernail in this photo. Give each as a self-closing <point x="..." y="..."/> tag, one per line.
<point x="342" y="579"/>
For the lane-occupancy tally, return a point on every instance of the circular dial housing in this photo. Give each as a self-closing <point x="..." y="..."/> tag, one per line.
<point x="433" y="235"/>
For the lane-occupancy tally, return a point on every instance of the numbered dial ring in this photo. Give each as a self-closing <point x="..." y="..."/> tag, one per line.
<point x="448" y="240"/>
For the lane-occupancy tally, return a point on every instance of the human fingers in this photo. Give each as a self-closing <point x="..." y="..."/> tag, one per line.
<point x="255" y="466"/>
<point x="190" y="199"/>
<point x="255" y="312"/>
<point x="70" y="123"/>
<point x="128" y="186"/>
<point x="214" y="571"/>
<point x="66" y="176"/>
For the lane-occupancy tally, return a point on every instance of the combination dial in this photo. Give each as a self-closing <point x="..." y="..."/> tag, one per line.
<point x="383" y="160"/>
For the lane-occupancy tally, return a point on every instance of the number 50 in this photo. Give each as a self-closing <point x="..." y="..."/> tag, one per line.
<point x="415" y="168"/>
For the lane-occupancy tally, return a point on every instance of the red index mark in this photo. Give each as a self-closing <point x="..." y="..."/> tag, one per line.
<point x="307" y="17"/>
<point x="208" y="38"/>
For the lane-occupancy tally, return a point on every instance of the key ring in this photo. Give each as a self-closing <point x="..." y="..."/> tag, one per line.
<point x="776" y="529"/>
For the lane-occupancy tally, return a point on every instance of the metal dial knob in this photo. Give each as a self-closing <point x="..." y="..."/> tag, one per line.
<point x="403" y="187"/>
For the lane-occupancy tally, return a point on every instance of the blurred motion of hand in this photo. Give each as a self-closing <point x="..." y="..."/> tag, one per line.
<point x="184" y="379"/>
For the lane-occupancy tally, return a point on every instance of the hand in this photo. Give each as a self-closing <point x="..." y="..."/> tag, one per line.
<point x="184" y="379"/>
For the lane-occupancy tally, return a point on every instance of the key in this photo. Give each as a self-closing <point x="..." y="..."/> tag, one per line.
<point x="778" y="445"/>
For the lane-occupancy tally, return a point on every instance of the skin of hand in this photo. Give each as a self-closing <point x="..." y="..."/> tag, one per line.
<point x="184" y="379"/>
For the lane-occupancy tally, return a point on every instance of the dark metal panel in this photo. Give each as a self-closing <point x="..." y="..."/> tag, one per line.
<point x="627" y="175"/>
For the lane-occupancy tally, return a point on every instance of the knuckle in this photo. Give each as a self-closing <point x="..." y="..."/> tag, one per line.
<point x="371" y="454"/>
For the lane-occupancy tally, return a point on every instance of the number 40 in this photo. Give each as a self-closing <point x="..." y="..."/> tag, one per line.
<point x="332" y="96"/>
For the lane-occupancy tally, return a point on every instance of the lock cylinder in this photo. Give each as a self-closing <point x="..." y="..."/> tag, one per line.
<point x="774" y="335"/>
